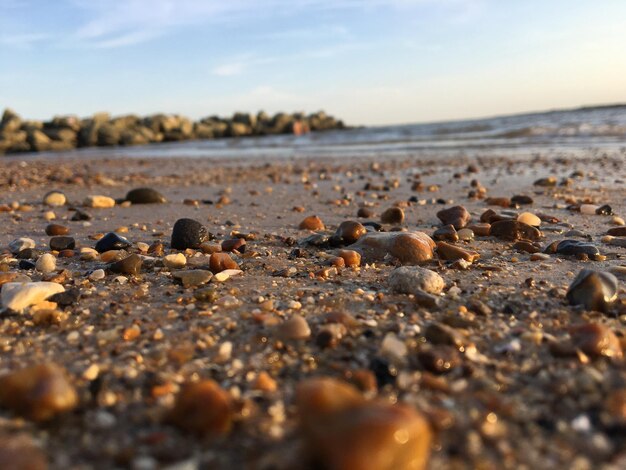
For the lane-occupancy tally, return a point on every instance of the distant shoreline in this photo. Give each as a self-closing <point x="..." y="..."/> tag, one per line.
<point x="68" y="132"/>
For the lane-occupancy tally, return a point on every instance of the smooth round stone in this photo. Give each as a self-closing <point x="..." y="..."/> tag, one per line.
<point x="350" y="231"/>
<point x="97" y="275"/>
<point x="294" y="328"/>
<point x="480" y="229"/>
<point x="466" y="234"/>
<point x="409" y="248"/>
<point x="46" y="263"/>
<point x="439" y="359"/>
<point x="529" y="219"/>
<point x="393" y="216"/>
<point x="575" y="247"/>
<point x="145" y="196"/>
<point x="595" y="339"/>
<point x="604" y="210"/>
<point x="56" y="230"/>
<point x="188" y="233"/>
<point x="203" y="408"/>
<point x="20" y="244"/>
<point x="343" y="431"/>
<point x="514" y="230"/>
<point x="364" y="213"/>
<point x="408" y="279"/>
<point x="62" y="243"/>
<point x="193" y="277"/>
<point x="81" y="216"/>
<point x="446" y="233"/>
<point x="350" y="258"/>
<point x="18" y="451"/>
<point x="111" y="241"/>
<point x="458" y="216"/>
<point x="38" y="392"/>
<point x="49" y="215"/>
<point x="615" y="220"/>
<point x="175" y="261"/>
<point x="99" y="202"/>
<point x="220" y="262"/>
<point x="588" y="209"/>
<point x="129" y="265"/>
<point x="617" y="231"/>
<point x="311" y="222"/>
<point x="595" y="290"/>
<point x="522" y="200"/>
<point x="547" y="182"/>
<point x="54" y="199"/>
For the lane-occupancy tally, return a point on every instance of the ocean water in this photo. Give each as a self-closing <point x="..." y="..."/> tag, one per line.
<point x="568" y="131"/>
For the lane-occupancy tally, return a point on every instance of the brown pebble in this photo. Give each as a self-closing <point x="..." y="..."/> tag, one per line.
<point x="446" y="233"/>
<point x="351" y="258"/>
<point x="617" y="231"/>
<point x="38" y="392"/>
<point x="56" y="230"/>
<point x="526" y="247"/>
<point x="439" y="359"/>
<point x="337" y="262"/>
<point x="19" y="452"/>
<point x="450" y="252"/>
<point x="458" y="216"/>
<point x="364" y="213"/>
<point x="294" y="328"/>
<point x="265" y="383"/>
<point x="234" y="244"/>
<point x="350" y="231"/>
<point x="203" y="408"/>
<point x="342" y="431"/>
<point x="156" y="249"/>
<point x="595" y="339"/>
<point x="220" y="262"/>
<point x="514" y="230"/>
<point x="393" y="215"/>
<point x="130" y="265"/>
<point x="498" y="201"/>
<point x="312" y="222"/>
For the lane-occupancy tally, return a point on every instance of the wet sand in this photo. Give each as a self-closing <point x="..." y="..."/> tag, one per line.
<point x="512" y="403"/>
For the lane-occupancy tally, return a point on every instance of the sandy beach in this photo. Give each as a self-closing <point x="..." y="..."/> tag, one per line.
<point x="491" y="363"/>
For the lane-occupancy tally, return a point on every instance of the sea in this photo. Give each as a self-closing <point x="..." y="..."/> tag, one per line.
<point x="572" y="132"/>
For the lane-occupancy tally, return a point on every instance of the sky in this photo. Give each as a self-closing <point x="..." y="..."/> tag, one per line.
<point x="369" y="62"/>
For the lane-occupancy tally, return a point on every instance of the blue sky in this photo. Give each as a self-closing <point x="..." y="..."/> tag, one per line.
<point x="366" y="61"/>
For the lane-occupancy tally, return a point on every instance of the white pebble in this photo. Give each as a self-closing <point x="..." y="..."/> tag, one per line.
<point x="46" y="263"/>
<point x="97" y="275"/>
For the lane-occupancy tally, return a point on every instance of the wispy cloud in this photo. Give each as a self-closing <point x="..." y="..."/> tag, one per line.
<point x="24" y="40"/>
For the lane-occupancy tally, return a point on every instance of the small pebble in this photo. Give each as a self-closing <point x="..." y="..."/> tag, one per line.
<point x="46" y="263"/>
<point x="175" y="261"/>
<point x="595" y="290"/>
<point x="54" y="198"/>
<point x="145" y="196"/>
<point x="99" y="202"/>
<point x="529" y="219"/>
<point x="312" y="222"/>
<point x="188" y="233"/>
<point x="295" y="327"/>
<point x="56" y="230"/>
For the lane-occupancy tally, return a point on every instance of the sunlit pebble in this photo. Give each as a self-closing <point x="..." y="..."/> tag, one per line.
<point x="158" y="334"/>
<point x="121" y="280"/>
<point x="588" y="209"/>
<point x="50" y="215"/>
<point x="92" y="372"/>
<point x="615" y="220"/>
<point x="97" y="275"/>
<point x="143" y="247"/>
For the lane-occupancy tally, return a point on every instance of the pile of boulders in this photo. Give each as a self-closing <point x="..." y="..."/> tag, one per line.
<point x="69" y="132"/>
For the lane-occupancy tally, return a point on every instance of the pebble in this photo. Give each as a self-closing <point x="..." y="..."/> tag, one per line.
<point x="595" y="340"/>
<point x="19" y="452"/>
<point x="615" y="220"/>
<point x="615" y="241"/>
<point x="522" y="200"/>
<point x="129" y="265"/>
<point x="234" y="245"/>
<point x="547" y="182"/>
<point x="575" y="247"/>
<point x="349" y="232"/>
<point x="457" y="216"/>
<point x="312" y="222"/>
<point x="38" y="392"/>
<point x="529" y="218"/>
<point x="466" y="234"/>
<point x="439" y="333"/>
<point x="220" y="262"/>
<point x="188" y="233"/>
<point x="46" y="263"/>
<point x="595" y="290"/>
<point x="111" y="241"/>
<point x="351" y="258"/>
<point x="56" y="230"/>
<point x="617" y="231"/>
<point x="439" y="359"/>
<point x="145" y="196"/>
<point x="97" y="275"/>
<point x="446" y="233"/>
<point x="203" y="408"/>
<point x="406" y="247"/>
<point x="62" y="243"/>
<point x="514" y="230"/>
<point x="449" y="252"/>
<point x="175" y="261"/>
<point x="26" y="264"/>
<point x="364" y="213"/>
<point x="81" y="215"/>
<point x="17" y="296"/>
<point x="20" y="244"/>
<point x="88" y="254"/>
<point x="49" y="215"/>
<point x="343" y="431"/>
<point x="265" y="383"/>
<point x="393" y="215"/>
<point x="193" y="277"/>
<point x="526" y="246"/>
<point x="408" y="279"/>
<point x="588" y="209"/>
<point x="99" y="202"/>
<point x="480" y="229"/>
<point x="54" y="198"/>
<point x="295" y="327"/>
